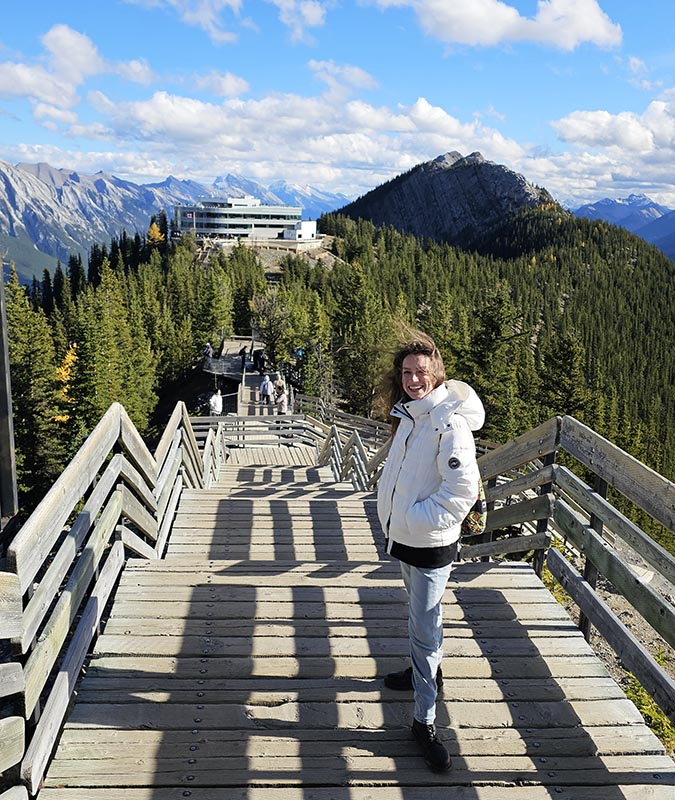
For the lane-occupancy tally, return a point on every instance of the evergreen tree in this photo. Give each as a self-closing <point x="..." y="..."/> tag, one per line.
<point x="47" y="293"/>
<point x="76" y="277"/>
<point x="38" y="439"/>
<point x="564" y="388"/>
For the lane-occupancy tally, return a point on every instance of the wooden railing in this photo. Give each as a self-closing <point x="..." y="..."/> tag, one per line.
<point x="235" y="431"/>
<point x="115" y="498"/>
<point x="372" y="432"/>
<point x="523" y="472"/>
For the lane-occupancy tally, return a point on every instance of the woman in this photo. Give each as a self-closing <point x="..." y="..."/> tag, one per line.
<point x="281" y="398"/>
<point x="428" y="485"/>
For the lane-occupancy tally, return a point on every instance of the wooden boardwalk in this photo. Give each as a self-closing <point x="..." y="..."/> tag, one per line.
<point x="247" y="665"/>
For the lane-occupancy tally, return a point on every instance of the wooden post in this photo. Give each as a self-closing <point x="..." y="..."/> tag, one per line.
<point x="590" y="570"/>
<point x="487" y="537"/>
<point x="542" y="524"/>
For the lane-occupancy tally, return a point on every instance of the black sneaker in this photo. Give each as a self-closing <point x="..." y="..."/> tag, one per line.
<point x="402" y="681"/>
<point x="433" y="750"/>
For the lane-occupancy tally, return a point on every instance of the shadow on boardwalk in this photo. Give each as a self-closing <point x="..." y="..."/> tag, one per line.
<point x="248" y="665"/>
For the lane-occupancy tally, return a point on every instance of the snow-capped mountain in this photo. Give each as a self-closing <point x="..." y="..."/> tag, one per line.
<point x="640" y="215"/>
<point x="632" y="212"/>
<point x="237" y="186"/>
<point x="314" y="202"/>
<point x="48" y="213"/>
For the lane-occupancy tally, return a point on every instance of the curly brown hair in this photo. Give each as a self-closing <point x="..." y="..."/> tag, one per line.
<point x="417" y="343"/>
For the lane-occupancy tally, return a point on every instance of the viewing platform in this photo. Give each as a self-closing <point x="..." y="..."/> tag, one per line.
<point x="224" y="630"/>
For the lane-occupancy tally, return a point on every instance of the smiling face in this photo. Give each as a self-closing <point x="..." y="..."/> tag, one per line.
<point x="417" y="379"/>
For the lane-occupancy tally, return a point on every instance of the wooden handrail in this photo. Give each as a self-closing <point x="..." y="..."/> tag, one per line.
<point x="115" y="497"/>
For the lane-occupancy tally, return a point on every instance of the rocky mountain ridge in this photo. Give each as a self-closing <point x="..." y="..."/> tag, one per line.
<point x="453" y="198"/>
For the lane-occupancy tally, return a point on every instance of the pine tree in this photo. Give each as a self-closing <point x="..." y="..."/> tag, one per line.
<point x="38" y="440"/>
<point x="564" y="388"/>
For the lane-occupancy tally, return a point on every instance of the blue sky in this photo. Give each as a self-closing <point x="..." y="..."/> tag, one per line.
<point x="577" y="95"/>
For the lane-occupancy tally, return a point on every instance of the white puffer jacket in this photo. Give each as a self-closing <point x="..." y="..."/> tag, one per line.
<point x="430" y="478"/>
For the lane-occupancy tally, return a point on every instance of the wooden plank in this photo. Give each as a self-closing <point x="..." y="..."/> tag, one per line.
<point x="470" y="791"/>
<point x="15" y="793"/>
<point x="633" y="655"/>
<point x="136" y="544"/>
<point x="139" y="483"/>
<point x="518" y="486"/>
<point x="498" y="667"/>
<point x="165" y="527"/>
<point x="141" y="689"/>
<point x="334" y="769"/>
<point x="514" y="544"/>
<point x="168" y="435"/>
<point x="10" y="606"/>
<point x="46" y="651"/>
<point x="271" y="609"/>
<point x="250" y="718"/>
<point x="601" y="740"/>
<point x="12" y="741"/>
<point x="47" y="730"/>
<point x="191" y="447"/>
<point x="299" y="594"/>
<point x="529" y="446"/>
<point x="11" y="679"/>
<point x="386" y="628"/>
<point x="540" y="507"/>
<point x="34" y="541"/>
<point x="168" y="495"/>
<point x="138" y="514"/>
<point x="640" y="484"/>
<point x="335" y="647"/>
<point x="168" y="466"/>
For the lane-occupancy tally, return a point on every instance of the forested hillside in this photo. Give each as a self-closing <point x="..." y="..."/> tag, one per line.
<point x="554" y="315"/>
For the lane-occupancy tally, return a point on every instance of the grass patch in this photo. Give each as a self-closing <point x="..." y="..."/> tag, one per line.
<point x="657" y="721"/>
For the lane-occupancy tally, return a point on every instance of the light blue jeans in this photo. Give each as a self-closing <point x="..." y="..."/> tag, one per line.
<point x="425" y="589"/>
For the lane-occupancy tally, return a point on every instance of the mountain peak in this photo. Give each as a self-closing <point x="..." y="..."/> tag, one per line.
<point x="440" y="200"/>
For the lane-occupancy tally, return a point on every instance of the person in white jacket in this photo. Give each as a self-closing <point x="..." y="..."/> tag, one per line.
<point x="428" y="485"/>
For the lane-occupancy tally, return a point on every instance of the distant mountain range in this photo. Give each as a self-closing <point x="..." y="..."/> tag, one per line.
<point x="638" y="214"/>
<point x="454" y="199"/>
<point x="47" y="213"/>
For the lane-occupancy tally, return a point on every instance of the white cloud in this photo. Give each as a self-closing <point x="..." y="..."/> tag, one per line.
<point x="362" y="116"/>
<point x="222" y="84"/>
<point x="636" y="65"/>
<point x="71" y="60"/>
<point x="72" y="55"/>
<point x="298" y="15"/>
<point x="600" y="129"/>
<point x="563" y="24"/>
<point x="35" y="82"/>
<point x="204" y="14"/>
<point x="45" y="111"/>
<point x="136" y="71"/>
<point x="341" y="79"/>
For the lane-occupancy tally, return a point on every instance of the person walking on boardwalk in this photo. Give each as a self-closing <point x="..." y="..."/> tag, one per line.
<point x="428" y="485"/>
<point x="281" y="398"/>
<point x="216" y="404"/>
<point x="266" y="390"/>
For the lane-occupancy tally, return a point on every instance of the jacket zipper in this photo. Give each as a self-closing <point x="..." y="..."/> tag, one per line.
<point x="390" y="541"/>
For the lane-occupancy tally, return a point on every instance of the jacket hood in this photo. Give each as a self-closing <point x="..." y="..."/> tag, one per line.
<point x="451" y="397"/>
